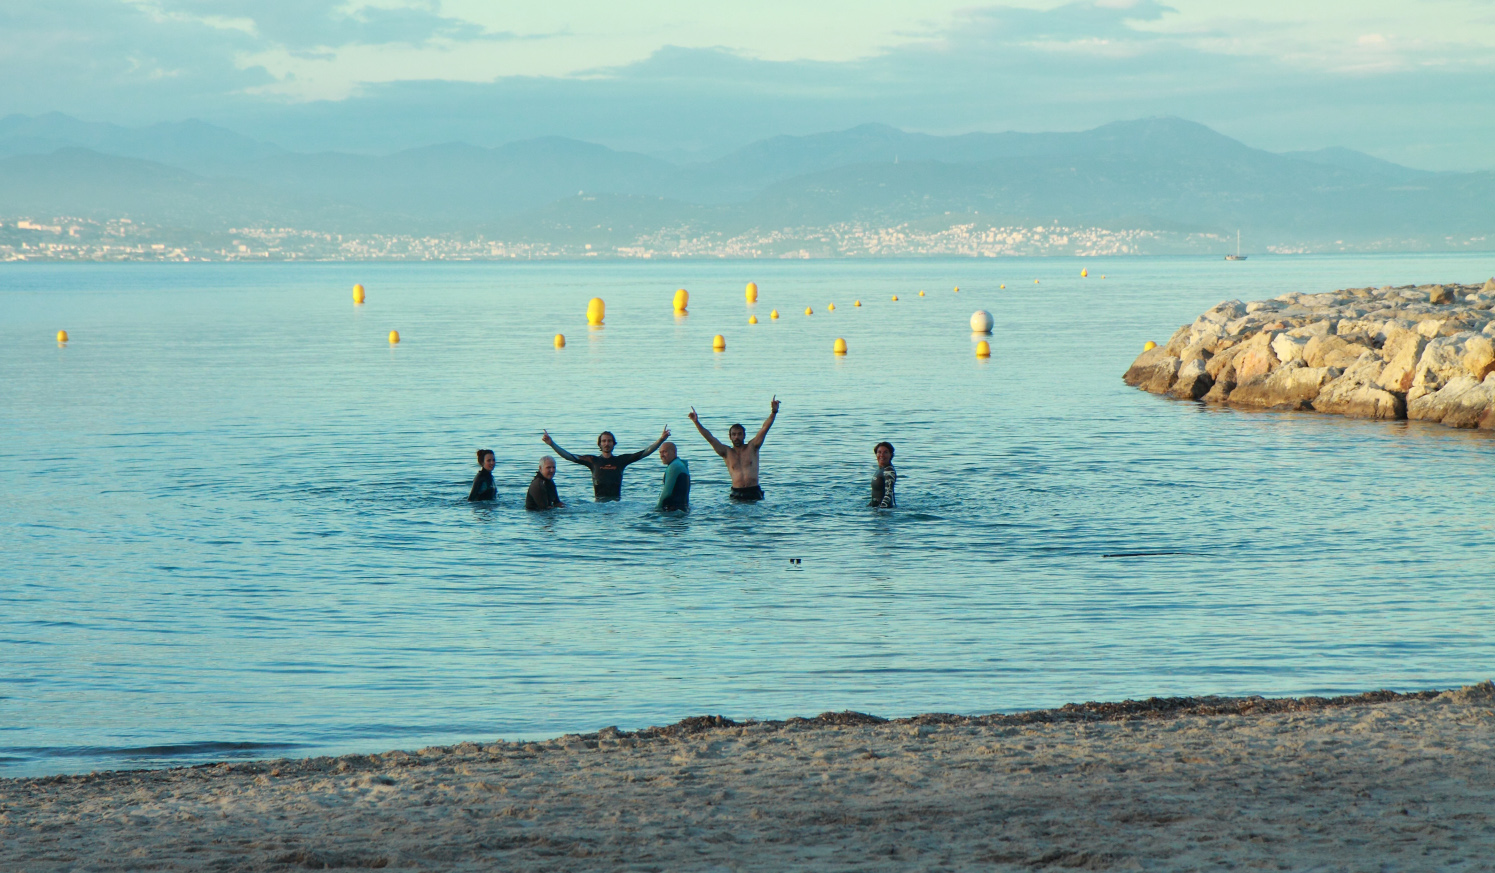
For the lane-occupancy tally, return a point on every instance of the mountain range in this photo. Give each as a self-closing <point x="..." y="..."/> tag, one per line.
<point x="1162" y="174"/>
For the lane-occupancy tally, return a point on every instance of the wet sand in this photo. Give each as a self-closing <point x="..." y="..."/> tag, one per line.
<point x="1373" y="782"/>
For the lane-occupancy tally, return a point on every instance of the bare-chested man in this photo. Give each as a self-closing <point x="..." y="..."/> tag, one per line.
<point x="741" y="457"/>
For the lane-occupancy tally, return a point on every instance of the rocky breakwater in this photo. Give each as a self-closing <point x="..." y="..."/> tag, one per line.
<point x="1424" y="352"/>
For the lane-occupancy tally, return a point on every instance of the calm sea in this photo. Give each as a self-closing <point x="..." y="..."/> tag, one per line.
<point x="233" y="518"/>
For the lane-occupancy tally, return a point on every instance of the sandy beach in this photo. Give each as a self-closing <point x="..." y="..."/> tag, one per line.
<point x="1378" y="781"/>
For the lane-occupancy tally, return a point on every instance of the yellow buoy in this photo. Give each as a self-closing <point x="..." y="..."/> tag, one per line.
<point x="560" y="341"/>
<point x="921" y="293"/>
<point x="358" y="295"/>
<point x="774" y="314"/>
<point x="62" y="336"/>
<point x="1035" y="281"/>
<point x="596" y="311"/>
<point x="983" y="349"/>
<point x="1103" y="275"/>
<point x="752" y="292"/>
<point x="1004" y="286"/>
<point x="682" y="300"/>
<point x="1149" y="346"/>
<point x="719" y="343"/>
<point x="752" y="319"/>
<point x="1084" y="272"/>
<point x="857" y="303"/>
<point x="831" y="308"/>
<point x="394" y="337"/>
<point x="809" y="311"/>
<point x="895" y="298"/>
<point x="957" y="289"/>
<point x="839" y="347"/>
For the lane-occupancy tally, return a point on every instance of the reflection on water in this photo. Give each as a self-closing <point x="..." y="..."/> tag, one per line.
<point x="234" y="524"/>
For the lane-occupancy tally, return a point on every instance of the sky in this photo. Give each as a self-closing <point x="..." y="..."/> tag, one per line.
<point x="1411" y="81"/>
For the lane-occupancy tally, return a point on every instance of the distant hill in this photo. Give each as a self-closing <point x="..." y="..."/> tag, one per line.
<point x="1152" y="174"/>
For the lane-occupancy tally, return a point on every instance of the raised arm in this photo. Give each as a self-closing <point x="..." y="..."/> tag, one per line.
<point x="545" y="438"/>
<point x="716" y="444"/>
<point x="653" y="447"/>
<point x="757" y="441"/>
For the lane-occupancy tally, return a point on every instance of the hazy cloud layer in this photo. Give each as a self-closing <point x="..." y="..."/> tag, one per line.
<point x="1417" y="87"/>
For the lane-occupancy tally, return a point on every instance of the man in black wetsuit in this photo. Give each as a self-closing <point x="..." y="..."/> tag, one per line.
<point x="607" y="468"/>
<point x="482" y="484"/>
<point x="542" y="493"/>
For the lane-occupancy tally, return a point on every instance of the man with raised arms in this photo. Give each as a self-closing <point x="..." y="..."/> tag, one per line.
<point x="607" y="468"/>
<point x="741" y="457"/>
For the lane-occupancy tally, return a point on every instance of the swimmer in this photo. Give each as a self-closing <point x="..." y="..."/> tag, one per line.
<point x="542" y="494"/>
<point x="885" y="477"/>
<point x="607" y="468"/>
<point x="741" y="457"/>
<point x="482" y="484"/>
<point x="674" y="493"/>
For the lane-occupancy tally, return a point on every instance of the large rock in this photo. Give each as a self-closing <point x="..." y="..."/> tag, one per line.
<point x="1440" y="295"/>
<point x="1463" y="402"/>
<point x="1402" y="353"/>
<point x="1479" y="356"/>
<point x="1290" y="386"/>
<point x="1441" y="363"/>
<point x="1288" y="348"/>
<point x="1153" y="371"/>
<point x="1332" y="351"/>
<point x="1356" y="394"/>
<point x="1256" y="358"/>
<point x="1193" y="381"/>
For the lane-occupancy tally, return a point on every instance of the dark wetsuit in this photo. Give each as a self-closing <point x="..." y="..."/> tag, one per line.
<point x="541" y="494"/>
<point x="750" y="494"/>
<point x="674" y="494"/>
<point x="607" y="473"/>
<point x="882" y="487"/>
<point x="483" y="487"/>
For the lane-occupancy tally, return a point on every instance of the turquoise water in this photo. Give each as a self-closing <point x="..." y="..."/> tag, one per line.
<point x="233" y="520"/>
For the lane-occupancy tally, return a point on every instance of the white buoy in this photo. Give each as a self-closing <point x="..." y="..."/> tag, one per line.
<point x="981" y="321"/>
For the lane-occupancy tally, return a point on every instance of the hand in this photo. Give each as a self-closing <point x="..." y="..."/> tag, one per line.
<point x="692" y="415"/>
<point x="666" y="434"/>
<point x="545" y="438"/>
<point x="774" y="403"/>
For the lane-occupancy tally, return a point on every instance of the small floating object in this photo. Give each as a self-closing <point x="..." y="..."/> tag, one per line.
<point x="62" y="336"/>
<point x="752" y="292"/>
<point x="394" y="337"/>
<point x="596" y="311"/>
<point x="839" y="347"/>
<point x="1103" y="275"/>
<point x="718" y="343"/>
<point x="560" y="341"/>
<point x="809" y="311"/>
<point x="357" y="295"/>
<point x="1149" y="346"/>
<point x="981" y="321"/>
<point x="957" y="289"/>
<point x="921" y="293"/>
<point x="857" y="303"/>
<point x="983" y="349"/>
<point x="752" y="319"/>
<point x="1035" y="281"/>
<point x="831" y="307"/>
<point x="1084" y="272"/>
<point x="682" y="300"/>
<point x="774" y="314"/>
<point x="895" y="298"/>
<point x="1004" y="287"/>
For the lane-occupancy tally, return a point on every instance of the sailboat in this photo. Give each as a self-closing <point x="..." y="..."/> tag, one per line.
<point x="1237" y="256"/>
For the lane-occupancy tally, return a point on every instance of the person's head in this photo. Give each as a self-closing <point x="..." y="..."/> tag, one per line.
<point x="547" y="467"/>
<point x="737" y="434"/>
<point x="606" y="442"/>
<point x="884" y="453"/>
<point x="485" y="459"/>
<point x="667" y="453"/>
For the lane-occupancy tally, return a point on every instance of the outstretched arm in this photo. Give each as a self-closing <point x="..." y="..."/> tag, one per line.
<point x="757" y="441"/>
<point x="716" y="444"/>
<point x="653" y="447"/>
<point x="545" y="438"/>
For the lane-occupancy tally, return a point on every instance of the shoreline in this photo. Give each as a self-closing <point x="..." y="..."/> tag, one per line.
<point x="1165" y="783"/>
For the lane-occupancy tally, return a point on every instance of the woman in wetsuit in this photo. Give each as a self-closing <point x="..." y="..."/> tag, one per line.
<point x="607" y="468"/>
<point x="885" y="477"/>
<point x="482" y="484"/>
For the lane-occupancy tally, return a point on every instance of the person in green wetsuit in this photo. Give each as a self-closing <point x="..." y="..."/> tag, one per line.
<point x="607" y="468"/>
<point x="884" y="480"/>
<point x="674" y="493"/>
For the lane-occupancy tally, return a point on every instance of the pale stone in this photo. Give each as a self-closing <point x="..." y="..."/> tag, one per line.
<point x="1153" y="371"/>
<point x="1288" y="348"/>
<point x="1193" y="381"/>
<point x="1402" y="355"/>
<point x="1256" y="358"/>
<point x="1440" y="364"/>
<point x="1356" y="394"/>
<point x="1440" y="295"/>
<point x="1479" y="356"/>
<point x="1463" y="402"/>
<point x="1290" y="385"/>
<point x="1429" y="328"/>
